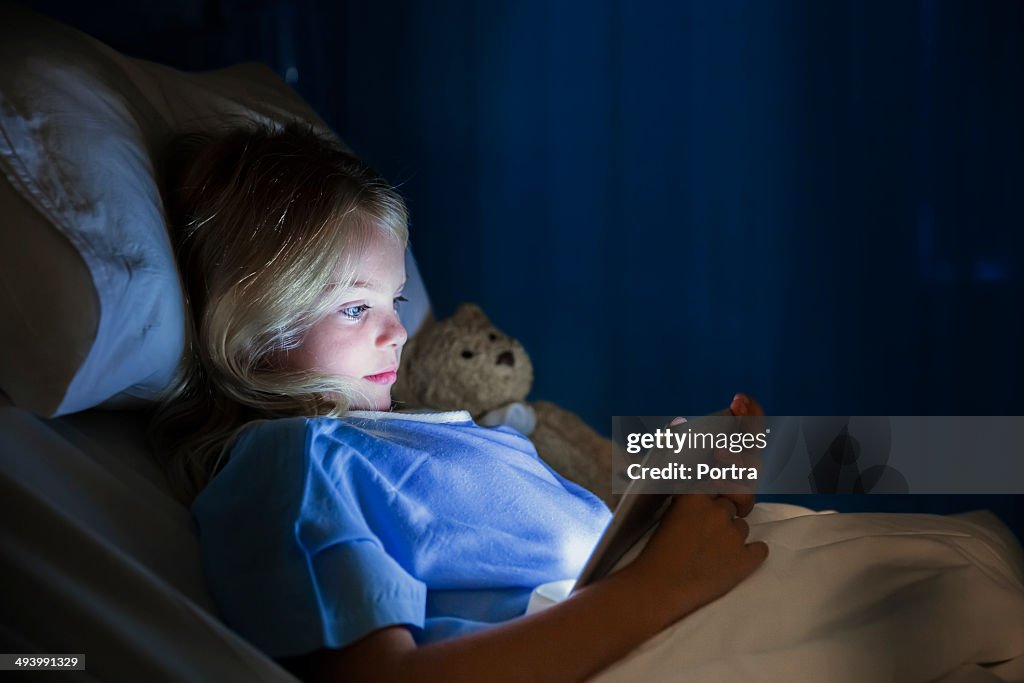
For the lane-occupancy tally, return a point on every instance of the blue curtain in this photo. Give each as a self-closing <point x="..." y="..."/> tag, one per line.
<point x="816" y="203"/>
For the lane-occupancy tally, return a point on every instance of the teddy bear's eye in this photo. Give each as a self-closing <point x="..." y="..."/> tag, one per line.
<point x="466" y="353"/>
<point x="492" y="336"/>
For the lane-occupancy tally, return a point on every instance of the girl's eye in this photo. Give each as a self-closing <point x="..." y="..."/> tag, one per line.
<point x="400" y="300"/>
<point x="354" y="312"/>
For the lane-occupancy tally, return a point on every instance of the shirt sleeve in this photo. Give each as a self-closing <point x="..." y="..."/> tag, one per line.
<point x="288" y="557"/>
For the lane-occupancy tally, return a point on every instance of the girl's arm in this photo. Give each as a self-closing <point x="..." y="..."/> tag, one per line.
<point x="697" y="554"/>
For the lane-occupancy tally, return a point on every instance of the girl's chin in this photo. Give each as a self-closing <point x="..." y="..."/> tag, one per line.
<point x="378" y="403"/>
<point x="374" y="408"/>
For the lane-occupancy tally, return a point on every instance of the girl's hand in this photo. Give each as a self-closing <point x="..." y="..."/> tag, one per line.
<point x="744" y="405"/>
<point x="752" y="422"/>
<point x="699" y="551"/>
<point x="697" y="554"/>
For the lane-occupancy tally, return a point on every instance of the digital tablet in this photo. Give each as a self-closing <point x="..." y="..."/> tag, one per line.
<point x="636" y="514"/>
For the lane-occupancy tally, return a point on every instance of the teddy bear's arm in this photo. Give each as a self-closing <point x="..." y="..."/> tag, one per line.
<point x="573" y="449"/>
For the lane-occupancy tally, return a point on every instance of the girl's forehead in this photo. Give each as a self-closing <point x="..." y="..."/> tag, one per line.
<point x="378" y="266"/>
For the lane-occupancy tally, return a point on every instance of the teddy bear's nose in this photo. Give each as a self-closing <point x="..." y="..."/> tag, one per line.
<point x="506" y="358"/>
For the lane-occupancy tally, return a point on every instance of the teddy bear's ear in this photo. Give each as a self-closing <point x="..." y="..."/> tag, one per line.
<point x="471" y="315"/>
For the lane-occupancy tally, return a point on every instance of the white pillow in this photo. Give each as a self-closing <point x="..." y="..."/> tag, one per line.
<point x="89" y="294"/>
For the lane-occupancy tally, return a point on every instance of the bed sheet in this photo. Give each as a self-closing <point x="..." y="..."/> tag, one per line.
<point x="856" y="597"/>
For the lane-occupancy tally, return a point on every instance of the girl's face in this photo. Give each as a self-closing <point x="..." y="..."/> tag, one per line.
<point x="362" y="338"/>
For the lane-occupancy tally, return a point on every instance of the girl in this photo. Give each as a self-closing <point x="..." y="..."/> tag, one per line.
<point x="353" y="542"/>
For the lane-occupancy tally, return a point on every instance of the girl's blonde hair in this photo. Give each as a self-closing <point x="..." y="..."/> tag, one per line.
<point x="265" y="222"/>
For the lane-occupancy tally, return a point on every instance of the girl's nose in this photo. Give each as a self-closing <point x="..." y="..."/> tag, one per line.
<point x="393" y="332"/>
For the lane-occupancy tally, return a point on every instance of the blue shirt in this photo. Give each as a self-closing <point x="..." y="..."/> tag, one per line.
<point x="319" y="531"/>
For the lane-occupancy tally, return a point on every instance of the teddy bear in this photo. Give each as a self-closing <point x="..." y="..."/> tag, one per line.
<point x="465" y="363"/>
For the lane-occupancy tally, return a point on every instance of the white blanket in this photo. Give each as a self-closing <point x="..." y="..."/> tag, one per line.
<point x="856" y="597"/>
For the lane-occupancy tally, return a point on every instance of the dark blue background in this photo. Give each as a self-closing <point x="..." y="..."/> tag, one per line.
<point x="667" y="202"/>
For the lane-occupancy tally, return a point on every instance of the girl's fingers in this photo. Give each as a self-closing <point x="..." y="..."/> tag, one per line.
<point x="758" y="550"/>
<point x="744" y="405"/>
<point x="728" y="504"/>
<point x="735" y="488"/>
<point x="727" y="457"/>
<point x="742" y="501"/>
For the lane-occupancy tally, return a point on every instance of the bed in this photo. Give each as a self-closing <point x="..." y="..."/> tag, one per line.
<point x="98" y="558"/>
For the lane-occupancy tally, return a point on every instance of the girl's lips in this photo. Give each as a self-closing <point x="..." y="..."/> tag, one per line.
<point x="383" y="378"/>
